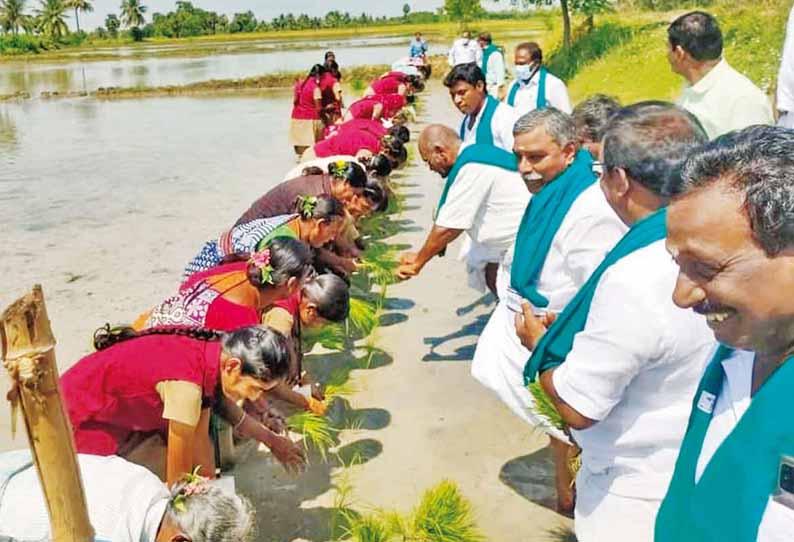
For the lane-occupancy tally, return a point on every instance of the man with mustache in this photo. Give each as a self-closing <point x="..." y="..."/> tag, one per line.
<point x="483" y="196"/>
<point x="731" y="232"/>
<point x="487" y="121"/>
<point x="622" y="362"/>
<point x="566" y="231"/>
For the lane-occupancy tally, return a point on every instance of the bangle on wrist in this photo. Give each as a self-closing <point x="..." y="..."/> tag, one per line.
<point x="240" y="421"/>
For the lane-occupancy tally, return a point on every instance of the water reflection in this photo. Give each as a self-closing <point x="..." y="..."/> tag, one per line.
<point x="8" y="133"/>
<point x="231" y="62"/>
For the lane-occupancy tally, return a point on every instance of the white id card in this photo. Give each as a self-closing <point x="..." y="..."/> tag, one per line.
<point x="514" y="300"/>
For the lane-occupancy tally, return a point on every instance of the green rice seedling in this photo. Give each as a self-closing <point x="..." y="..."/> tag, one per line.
<point x="379" y="262"/>
<point x="363" y="316"/>
<point x="368" y="528"/>
<point x="445" y="515"/>
<point x="331" y="336"/>
<point x="316" y="431"/>
<point x="545" y="407"/>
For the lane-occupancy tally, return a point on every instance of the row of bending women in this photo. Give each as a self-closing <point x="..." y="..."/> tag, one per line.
<point x="320" y="131"/>
<point x="230" y="336"/>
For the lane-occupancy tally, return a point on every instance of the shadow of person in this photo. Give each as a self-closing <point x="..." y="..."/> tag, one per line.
<point x="462" y="353"/>
<point x="343" y="416"/>
<point x="532" y="477"/>
<point x="335" y="367"/>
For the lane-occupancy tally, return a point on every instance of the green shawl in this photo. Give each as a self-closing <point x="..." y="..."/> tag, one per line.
<point x="478" y="154"/>
<point x="556" y="344"/>
<point x="727" y="504"/>
<point x="540" y="103"/>
<point x="484" y="135"/>
<point x="486" y="53"/>
<point x="540" y="223"/>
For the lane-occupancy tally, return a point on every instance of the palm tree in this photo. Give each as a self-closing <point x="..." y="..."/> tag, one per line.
<point x="132" y="13"/>
<point x="51" y="18"/>
<point x="12" y="15"/>
<point x="79" y="5"/>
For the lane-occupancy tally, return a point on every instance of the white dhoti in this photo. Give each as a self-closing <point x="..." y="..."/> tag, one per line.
<point x="476" y="256"/>
<point x="601" y="515"/>
<point x="499" y="366"/>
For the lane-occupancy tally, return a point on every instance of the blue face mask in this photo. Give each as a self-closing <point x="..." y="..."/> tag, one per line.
<point x="522" y="71"/>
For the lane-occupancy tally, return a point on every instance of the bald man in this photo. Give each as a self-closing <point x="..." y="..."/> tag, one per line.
<point x="484" y="196"/>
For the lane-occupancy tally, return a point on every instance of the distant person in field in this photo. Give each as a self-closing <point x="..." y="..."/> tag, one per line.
<point x="534" y="86"/>
<point x="487" y="121"/>
<point x="720" y="97"/>
<point x="464" y="50"/>
<point x="418" y="47"/>
<point x="331" y="92"/>
<point x="306" y="126"/>
<point x="785" y="78"/>
<point x="493" y="65"/>
<point x="591" y="117"/>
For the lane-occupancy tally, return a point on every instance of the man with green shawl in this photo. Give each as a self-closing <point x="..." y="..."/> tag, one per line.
<point x="731" y="232"/>
<point x="534" y="87"/>
<point x="493" y="65"/>
<point x="484" y="196"/>
<point x="622" y="362"/>
<point x="565" y="233"/>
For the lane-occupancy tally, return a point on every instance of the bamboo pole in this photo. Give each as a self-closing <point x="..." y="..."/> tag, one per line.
<point x="28" y="354"/>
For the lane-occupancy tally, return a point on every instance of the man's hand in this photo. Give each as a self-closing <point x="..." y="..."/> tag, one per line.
<point x="531" y="328"/>
<point x="409" y="266"/>
<point x="290" y="455"/>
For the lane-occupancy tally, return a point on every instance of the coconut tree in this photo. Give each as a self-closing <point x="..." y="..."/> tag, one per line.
<point x="52" y="18"/>
<point x="12" y="15"/>
<point x="79" y="5"/>
<point x="132" y="13"/>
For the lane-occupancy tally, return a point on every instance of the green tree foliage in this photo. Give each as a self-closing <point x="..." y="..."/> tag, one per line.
<point x="12" y="15"/>
<point x="463" y="11"/>
<point x="406" y="10"/>
<point x="132" y="13"/>
<point x="243" y="22"/>
<point x="186" y="21"/>
<point x="51" y="19"/>
<point x="79" y="5"/>
<point x="112" y="24"/>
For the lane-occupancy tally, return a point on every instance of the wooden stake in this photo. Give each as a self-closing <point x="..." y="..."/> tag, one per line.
<point x="29" y="356"/>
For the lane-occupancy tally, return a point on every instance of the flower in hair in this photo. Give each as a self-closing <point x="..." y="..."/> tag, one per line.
<point x="195" y="484"/>
<point x="306" y="205"/>
<point x="341" y="164"/>
<point x="261" y="260"/>
<point x="338" y="169"/>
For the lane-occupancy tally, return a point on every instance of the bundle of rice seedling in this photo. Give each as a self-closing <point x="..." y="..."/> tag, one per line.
<point x="316" y="431"/>
<point x="444" y="515"/>
<point x="330" y="336"/>
<point x="545" y="407"/>
<point x="363" y="316"/>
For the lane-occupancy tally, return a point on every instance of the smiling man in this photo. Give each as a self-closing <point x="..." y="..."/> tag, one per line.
<point x="487" y="121"/>
<point x="483" y="196"/>
<point x="566" y="231"/>
<point x="731" y="231"/>
<point x="622" y="362"/>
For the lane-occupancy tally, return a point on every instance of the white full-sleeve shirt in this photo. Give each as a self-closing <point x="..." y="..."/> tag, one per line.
<point x="495" y="76"/>
<point x="635" y="368"/>
<point x="777" y="523"/>
<point x="126" y="502"/>
<point x="487" y="202"/>
<point x="502" y="122"/>
<point x="464" y="51"/>
<point x="526" y="99"/>
<point x="785" y="78"/>
<point x="725" y="100"/>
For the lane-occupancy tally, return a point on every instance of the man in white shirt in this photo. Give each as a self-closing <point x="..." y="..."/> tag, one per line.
<point x="534" y="87"/>
<point x="785" y="78"/>
<point x="493" y="65"/>
<point x="720" y="97"/>
<point x="464" y="51"/>
<point x="546" y="148"/>
<point x="487" y="121"/>
<point x="125" y="502"/>
<point x="625" y="384"/>
<point x="731" y="232"/>
<point x="486" y="199"/>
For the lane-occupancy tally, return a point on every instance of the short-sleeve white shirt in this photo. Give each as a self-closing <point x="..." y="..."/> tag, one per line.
<point x="495" y="77"/>
<point x="635" y="368"/>
<point x="725" y="100"/>
<point x="502" y="122"/>
<point x="526" y="98"/>
<point x="464" y="51"/>
<point x="486" y="201"/>
<point x="777" y="524"/>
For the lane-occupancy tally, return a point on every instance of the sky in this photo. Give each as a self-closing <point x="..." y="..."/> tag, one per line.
<point x="267" y="9"/>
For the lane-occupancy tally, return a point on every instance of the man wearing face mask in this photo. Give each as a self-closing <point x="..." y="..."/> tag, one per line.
<point x="487" y="121"/>
<point x="566" y="231"/>
<point x="464" y="50"/>
<point x="731" y="232"/>
<point x="483" y="196"/>
<point x="534" y="87"/>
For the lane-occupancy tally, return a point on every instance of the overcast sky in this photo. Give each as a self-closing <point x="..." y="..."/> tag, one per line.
<point x="267" y="9"/>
